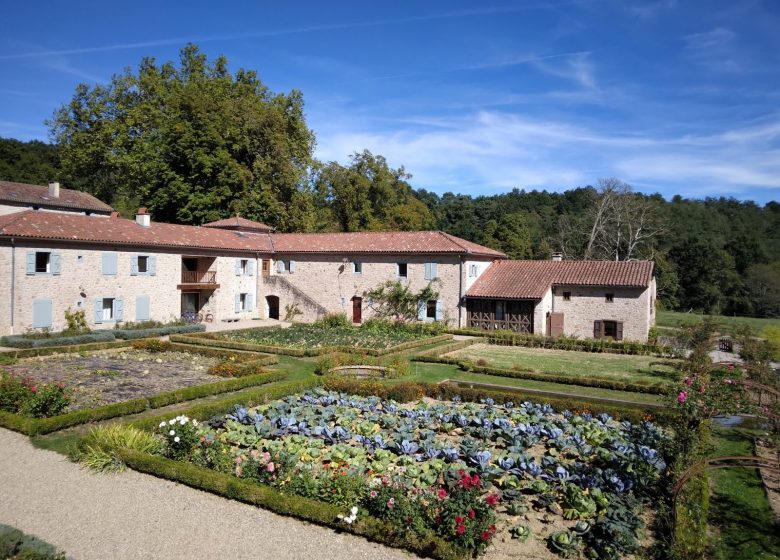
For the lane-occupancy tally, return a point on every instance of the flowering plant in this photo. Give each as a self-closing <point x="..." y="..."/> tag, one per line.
<point x="180" y="435"/>
<point x="23" y="396"/>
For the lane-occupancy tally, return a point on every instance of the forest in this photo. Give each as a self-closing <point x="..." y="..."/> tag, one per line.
<point x="194" y="142"/>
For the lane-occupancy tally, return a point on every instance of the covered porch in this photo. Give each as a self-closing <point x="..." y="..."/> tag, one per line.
<point x="492" y="314"/>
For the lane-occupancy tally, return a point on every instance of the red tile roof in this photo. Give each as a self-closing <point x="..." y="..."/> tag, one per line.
<point x="531" y="279"/>
<point x="74" y="227"/>
<point x="239" y="224"/>
<point x="430" y="242"/>
<point x="37" y="195"/>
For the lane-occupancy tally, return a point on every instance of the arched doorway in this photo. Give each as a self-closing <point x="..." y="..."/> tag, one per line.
<point x="273" y="306"/>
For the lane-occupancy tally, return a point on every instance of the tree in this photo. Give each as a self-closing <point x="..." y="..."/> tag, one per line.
<point x="28" y="162"/>
<point x="394" y="300"/>
<point x="193" y="143"/>
<point x="763" y="288"/>
<point x="510" y="235"/>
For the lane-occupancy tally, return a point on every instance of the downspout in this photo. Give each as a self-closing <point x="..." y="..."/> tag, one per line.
<point x="259" y="272"/>
<point x="13" y="280"/>
<point x="460" y="293"/>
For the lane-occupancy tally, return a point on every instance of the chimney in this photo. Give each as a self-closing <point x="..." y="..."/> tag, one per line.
<point x="142" y="218"/>
<point x="114" y="214"/>
<point x="557" y="256"/>
<point x="54" y="189"/>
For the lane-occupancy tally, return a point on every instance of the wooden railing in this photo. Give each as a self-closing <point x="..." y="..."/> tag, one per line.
<point x="199" y="277"/>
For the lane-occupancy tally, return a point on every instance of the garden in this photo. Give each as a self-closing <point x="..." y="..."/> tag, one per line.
<point x="557" y="484"/>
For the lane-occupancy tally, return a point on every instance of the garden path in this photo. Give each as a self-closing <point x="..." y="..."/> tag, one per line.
<point x="136" y="516"/>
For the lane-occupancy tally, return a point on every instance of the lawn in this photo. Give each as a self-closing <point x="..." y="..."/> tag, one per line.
<point x="739" y="511"/>
<point x="607" y="366"/>
<point x="729" y="325"/>
<point x="315" y="336"/>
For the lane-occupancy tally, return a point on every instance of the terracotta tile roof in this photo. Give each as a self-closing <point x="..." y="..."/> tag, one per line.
<point x="531" y="279"/>
<point x="240" y="224"/>
<point x="74" y="227"/>
<point x="22" y="193"/>
<point x="428" y="242"/>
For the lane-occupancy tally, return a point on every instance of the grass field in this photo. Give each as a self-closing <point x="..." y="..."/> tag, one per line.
<point x="739" y="511"/>
<point x="727" y="324"/>
<point x="571" y="363"/>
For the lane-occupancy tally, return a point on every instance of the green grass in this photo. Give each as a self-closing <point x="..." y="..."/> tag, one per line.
<point x="728" y="325"/>
<point x="739" y="510"/>
<point x="606" y="366"/>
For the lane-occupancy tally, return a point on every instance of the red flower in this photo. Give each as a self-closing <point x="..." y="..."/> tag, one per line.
<point x="460" y="529"/>
<point x="493" y="529"/>
<point x="459" y="520"/>
<point x="472" y="514"/>
<point x="34" y="388"/>
<point x="492" y="499"/>
<point x="486" y="535"/>
<point x="475" y="480"/>
<point x="442" y="493"/>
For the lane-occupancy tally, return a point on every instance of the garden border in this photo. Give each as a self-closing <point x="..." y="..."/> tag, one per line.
<point x="212" y="339"/>
<point x="97" y="336"/>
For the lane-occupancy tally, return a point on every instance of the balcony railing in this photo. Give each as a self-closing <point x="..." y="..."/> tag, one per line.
<point x="199" y="277"/>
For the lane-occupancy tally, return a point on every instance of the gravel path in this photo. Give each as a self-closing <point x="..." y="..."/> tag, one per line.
<point x="136" y="516"/>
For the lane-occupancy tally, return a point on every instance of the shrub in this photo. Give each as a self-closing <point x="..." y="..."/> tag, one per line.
<point x="16" y="545"/>
<point x="180" y="436"/>
<point x="28" y="342"/>
<point x="97" y="451"/>
<point x="77" y="321"/>
<point x="130" y="325"/>
<point x="333" y="321"/>
<point x="226" y="368"/>
<point x="153" y="345"/>
<point x="132" y="334"/>
<point x="23" y="396"/>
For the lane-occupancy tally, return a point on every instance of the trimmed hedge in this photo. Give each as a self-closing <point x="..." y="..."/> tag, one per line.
<point x="133" y="334"/>
<point x="582" y="381"/>
<point x="17" y="545"/>
<point x="33" y="426"/>
<point x="447" y="348"/>
<point x="269" y="498"/>
<point x="568" y="343"/>
<point x="50" y="350"/>
<point x="20" y="341"/>
<point x="212" y="339"/>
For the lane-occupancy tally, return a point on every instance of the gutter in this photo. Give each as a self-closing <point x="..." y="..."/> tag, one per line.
<point x="460" y="293"/>
<point x="13" y="280"/>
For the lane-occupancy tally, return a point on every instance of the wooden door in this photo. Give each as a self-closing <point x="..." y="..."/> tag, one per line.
<point x="555" y="324"/>
<point x="266" y="267"/>
<point x="357" y="310"/>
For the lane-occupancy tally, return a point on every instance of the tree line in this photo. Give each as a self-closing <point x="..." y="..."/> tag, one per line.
<point x="194" y="143"/>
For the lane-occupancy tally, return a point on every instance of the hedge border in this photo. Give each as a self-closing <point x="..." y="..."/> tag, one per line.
<point x="213" y="339"/>
<point x="103" y="335"/>
<point x="75" y="349"/>
<point x="35" y="426"/>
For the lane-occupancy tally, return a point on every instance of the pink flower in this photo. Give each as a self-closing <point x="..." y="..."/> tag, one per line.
<point x="492" y="499"/>
<point x="34" y="388"/>
<point x="442" y="493"/>
<point x="373" y="494"/>
<point x="391" y="503"/>
<point x="459" y="520"/>
<point x="701" y="389"/>
<point x="270" y="467"/>
<point x="688" y="381"/>
<point x="728" y="381"/>
<point x="460" y="529"/>
<point x="682" y="397"/>
<point x="731" y="366"/>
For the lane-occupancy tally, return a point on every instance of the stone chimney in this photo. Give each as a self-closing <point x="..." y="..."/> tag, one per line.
<point x="54" y="189"/>
<point x="142" y="218"/>
<point x="557" y="256"/>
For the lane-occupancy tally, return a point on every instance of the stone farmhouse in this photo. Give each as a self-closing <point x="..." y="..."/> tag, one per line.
<point x="63" y="249"/>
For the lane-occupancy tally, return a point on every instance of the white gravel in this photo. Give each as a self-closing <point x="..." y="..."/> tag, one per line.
<point x="136" y="516"/>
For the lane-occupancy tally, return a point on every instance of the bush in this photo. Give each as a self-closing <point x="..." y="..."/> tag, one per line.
<point x="401" y="392"/>
<point x="27" y="342"/>
<point x="77" y="321"/>
<point x="333" y="321"/>
<point x="152" y="345"/>
<point x="16" y="545"/>
<point x="130" y="325"/>
<point x="97" y="451"/>
<point x="131" y="334"/>
<point x="25" y="397"/>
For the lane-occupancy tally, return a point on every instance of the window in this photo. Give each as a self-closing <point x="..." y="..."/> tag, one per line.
<point x="143" y="264"/>
<point x="609" y="298"/>
<point x="402" y="269"/>
<point x="357" y="268"/>
<point x="431" y="309"/>
<point x="42" y="262"/>
<point x="244" y="266"/>
<point x="610" y="329"/>
<point x="243" y="302"/>
<point x="472" y="271"/>
<point x="108" y="309"/>
<point x="80" y="259"/>
<point x="285" y="267"/>
<point x="500" y="311"/>
<point x="431" y="271"/>
<point x="566" y="296"/>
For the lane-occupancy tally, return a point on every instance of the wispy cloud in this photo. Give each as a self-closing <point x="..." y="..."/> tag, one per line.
<point x="493" y="151"/>
<point x="487" y="11"/>
<point x="714" y="49"/>
<point x="577" y="68"/>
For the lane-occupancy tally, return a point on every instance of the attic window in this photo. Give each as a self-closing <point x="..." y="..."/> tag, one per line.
<point x="609" y="298"/>
<point x="566" y="296"/>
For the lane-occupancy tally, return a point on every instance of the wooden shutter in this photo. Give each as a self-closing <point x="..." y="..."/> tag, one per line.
<point x="41" y="313"/>
<point x="598" y="329"/>
<point x="422" y="309"/>
<point x="238" y="267"/>
<point x="434" y="271"/>
<point x="280" y="267"/>
<point x="292" y="267"/>
<point x="55" y="263"/>
<point x="250" y="267"/>
<point x="109" y="263"/>
<point x="151" y="265"/>
<point x="98" y="311"/>
<point x="142" y="308"/>
<point x="119" y="309"/>
<point x="30" y="262"/>
<point x="619" y="331"/>
<point x="134" y="265"/>
<point x="238" y="303"/>
<point x="250" y="303"/>
<point x="427" y="271"/>
<point x="439" y="310"/>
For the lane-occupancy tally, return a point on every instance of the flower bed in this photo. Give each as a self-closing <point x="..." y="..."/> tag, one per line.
<point x="458" y="472"/>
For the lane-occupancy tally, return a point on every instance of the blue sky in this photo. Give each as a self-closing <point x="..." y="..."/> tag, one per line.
<point x="676" y="97"/>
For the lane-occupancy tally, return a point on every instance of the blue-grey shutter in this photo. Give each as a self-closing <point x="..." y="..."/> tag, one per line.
<point x="279" y="267"/>
<point x="41" y="313"/>
<point x="439" y="310"/>
<point x="119" y="309"/>
<point x="238" y="303"/>
<point x="142" y="308"/>
<point x="98" y="311"/>
<point x="238" y="267"/>
<point x="109" y="263"/>
<point x="30" y="262"/>
<point x="151" y="265"/>
<point x="427" y="271"/>
<point x="56" y="263"/>
<point x="421" y="309"/>
<point x="434" y="271"/>
<point x="292" y="267"/>
<point x="250" y="304"/>
<point x="133" y="265"/>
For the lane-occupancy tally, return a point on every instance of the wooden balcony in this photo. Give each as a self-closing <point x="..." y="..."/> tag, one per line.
<point x="198" y="280"/>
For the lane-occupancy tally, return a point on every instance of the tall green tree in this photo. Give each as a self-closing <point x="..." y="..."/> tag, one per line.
<point x="31" y="162"/>
<point x="192" y="142"/>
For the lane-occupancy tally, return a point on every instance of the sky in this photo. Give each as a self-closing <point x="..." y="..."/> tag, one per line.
<point x="673" y="97"/>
